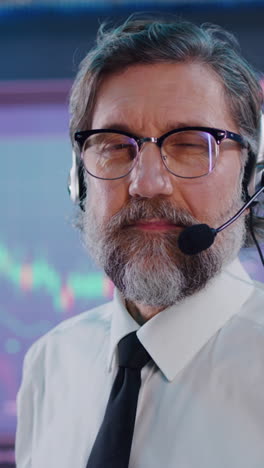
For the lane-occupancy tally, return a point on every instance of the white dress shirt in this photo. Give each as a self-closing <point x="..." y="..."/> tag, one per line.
<point x="201" y="403"/>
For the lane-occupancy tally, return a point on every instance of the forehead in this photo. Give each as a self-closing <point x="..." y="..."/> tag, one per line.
<point x="161" y="96"/>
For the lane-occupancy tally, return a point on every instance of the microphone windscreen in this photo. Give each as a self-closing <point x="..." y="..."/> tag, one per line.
<point x="196" y="238"/>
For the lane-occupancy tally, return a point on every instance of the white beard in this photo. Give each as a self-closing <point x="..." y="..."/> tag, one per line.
<point x="148" y="267"/>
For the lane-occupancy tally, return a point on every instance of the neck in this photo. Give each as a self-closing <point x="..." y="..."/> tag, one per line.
<point x="142" y="313"/>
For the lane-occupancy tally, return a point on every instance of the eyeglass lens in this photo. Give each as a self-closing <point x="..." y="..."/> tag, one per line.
<point x="189" y="153"/>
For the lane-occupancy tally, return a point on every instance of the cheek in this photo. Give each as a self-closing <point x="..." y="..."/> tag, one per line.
<point x="212" y="196"/>
<point x="106" y="197"/>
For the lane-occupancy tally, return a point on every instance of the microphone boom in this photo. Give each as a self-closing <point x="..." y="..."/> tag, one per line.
<point x="194" y="239"/>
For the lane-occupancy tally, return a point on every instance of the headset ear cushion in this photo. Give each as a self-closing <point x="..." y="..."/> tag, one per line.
<point x="258" y="207"/>
<point x="248" y="183"/>
<point x="73" y="180"/>
<point x="82" y="185"/>
<point x="76" y="182"/>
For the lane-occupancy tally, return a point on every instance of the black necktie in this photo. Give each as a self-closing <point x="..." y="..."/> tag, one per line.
<point x="113" y="442"/>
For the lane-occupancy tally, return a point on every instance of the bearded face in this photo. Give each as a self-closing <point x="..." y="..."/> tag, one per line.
<point x="131" y="225"/>
<point x="147" y="266"/>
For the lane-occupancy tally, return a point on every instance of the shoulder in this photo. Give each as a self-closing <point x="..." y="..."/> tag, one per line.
<point x="253" y="308"/>
<point x="237" y="350"/>
<point x="249" y="292"/>
<point x="77" y="332"/>
<point x="243" y="335"/>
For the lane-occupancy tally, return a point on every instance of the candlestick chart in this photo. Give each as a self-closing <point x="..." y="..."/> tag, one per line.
<point x="40" y="276"/>
<point x="35" y="296"/>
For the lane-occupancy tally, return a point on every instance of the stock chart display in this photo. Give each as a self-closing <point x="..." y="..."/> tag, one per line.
<point x="45" y="276"/>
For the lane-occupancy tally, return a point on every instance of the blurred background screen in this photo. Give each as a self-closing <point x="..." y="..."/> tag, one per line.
<point x="45" y="276"/>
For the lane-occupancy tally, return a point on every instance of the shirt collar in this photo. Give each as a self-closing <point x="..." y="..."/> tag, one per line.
<point x="176" y="334"/>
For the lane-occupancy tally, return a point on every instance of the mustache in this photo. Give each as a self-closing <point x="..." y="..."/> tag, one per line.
<point x="140" y="209"/>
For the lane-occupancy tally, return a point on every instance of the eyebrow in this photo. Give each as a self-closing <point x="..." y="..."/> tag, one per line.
<point x="118" y="126"/>
<point x="168" y="126"/>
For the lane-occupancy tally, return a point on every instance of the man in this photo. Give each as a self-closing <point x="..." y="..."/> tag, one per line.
<point x="165" y="125"/>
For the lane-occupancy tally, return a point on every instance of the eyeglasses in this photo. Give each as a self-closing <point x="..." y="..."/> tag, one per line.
<point x="188" y="152"/>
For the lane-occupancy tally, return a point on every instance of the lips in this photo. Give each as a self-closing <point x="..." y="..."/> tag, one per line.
<point x="155" y="225"/>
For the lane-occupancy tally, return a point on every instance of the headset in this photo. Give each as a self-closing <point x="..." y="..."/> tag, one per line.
<point x="195" y="239"/>
<point x="199" y="237"/>
<point x="253" y="176"/>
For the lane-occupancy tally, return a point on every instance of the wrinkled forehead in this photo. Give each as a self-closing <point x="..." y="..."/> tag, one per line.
<point x="187" y="93"/>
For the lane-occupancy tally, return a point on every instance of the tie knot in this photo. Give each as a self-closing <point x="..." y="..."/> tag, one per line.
<point x="132" y="353"/>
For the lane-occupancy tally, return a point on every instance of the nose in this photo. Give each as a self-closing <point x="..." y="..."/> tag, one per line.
<point x="150" y="178"/>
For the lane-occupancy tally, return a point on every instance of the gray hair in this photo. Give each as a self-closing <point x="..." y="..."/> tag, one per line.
<point x="142" y="40"/>
<point x="149" y="41"/>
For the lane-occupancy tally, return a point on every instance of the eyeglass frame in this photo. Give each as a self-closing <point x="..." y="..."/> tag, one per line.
<point x="219" y="135"/>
